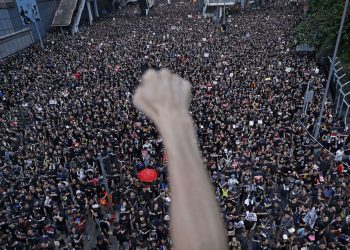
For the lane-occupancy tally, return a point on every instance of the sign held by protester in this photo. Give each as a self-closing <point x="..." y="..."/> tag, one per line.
<point x="311" y="217"/>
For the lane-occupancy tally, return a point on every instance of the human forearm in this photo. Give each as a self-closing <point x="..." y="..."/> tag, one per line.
<point x="196" y="222"/>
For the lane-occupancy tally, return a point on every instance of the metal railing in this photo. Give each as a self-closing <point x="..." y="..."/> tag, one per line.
<point x="334" y="157"/>
<point x="342" y="92"/>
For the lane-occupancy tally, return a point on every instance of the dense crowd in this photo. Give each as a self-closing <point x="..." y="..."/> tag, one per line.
<point x="64" y="107"/>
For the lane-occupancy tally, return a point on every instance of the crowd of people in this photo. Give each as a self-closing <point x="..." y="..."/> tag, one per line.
<point x="67" y="106"/>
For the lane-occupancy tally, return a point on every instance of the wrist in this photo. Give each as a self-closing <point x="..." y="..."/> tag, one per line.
<point x="173" y="121"/>
<point x="179" y="137"/>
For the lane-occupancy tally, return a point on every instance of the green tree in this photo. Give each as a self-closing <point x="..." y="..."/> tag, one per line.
<point x="320" y="27"/>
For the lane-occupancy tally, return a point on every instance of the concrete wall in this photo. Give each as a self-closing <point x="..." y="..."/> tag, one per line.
<point x="6" y="26"/>
<point x="47" y="9"/>
<point x="14" y="42"/>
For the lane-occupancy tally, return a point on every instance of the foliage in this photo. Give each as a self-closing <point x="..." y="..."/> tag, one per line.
<point x="320" y="26"/>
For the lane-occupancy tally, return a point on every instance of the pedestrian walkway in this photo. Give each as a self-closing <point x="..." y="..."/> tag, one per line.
<point x="64" y="13"/>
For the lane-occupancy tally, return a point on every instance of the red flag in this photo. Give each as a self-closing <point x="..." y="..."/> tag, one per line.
<point x="77" y="76"/>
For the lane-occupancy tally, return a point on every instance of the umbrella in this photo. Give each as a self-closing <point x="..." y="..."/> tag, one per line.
<point x="147" y="175"/>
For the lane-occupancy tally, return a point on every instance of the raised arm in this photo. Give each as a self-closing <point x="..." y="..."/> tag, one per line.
<point x="196" y="221"/>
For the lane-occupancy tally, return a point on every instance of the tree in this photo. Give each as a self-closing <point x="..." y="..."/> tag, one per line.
<point x="321" y="24"/>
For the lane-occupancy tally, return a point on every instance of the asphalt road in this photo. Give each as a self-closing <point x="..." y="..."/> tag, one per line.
<point x="91" y="233"/>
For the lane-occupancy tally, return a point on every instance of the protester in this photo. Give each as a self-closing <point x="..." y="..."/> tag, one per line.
<point x="63" y="106"/>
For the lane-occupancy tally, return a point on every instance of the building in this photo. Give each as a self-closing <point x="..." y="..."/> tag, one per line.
<point x="15" y="35"/>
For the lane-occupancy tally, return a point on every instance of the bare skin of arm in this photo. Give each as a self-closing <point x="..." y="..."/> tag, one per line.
<point x="196" y="221"/>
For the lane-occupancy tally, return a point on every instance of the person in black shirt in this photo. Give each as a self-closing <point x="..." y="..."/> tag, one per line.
<point x="102" y="243"/>
<point x="244" y="239"/>
<point x="76" y="239"/>
<point x="121" y="234"/>
<point x="133" y="240"/>
<point x="60" y="221"/>
<point x="81" y="200"/>
<point x="336" y="225"/>
<point x="321" y="226"/>
<point x="346" y="226"/>
<point x="162" y="231"/>
<point x="104" y="226"/>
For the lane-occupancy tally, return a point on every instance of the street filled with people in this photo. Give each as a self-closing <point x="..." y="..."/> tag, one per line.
<point x="67" y="108"/>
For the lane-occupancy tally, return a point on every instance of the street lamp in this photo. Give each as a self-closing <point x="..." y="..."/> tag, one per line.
<point x="223" y="21"/>
<point x="218" y="12"/>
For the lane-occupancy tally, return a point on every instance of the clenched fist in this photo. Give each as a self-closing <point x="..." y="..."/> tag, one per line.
<point x="162" y="94"/>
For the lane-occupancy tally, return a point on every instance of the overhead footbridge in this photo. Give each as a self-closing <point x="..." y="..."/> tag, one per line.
<point x="215" y="7"/>
<point x="64" y="13"/>
<point x="69" y="13"/>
